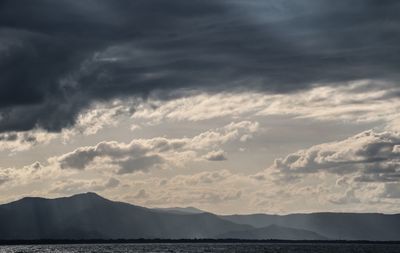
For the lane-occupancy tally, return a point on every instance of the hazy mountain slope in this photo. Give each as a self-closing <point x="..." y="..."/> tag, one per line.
<point x="273" y="232"/>
<point x="91" y="216"/>
<point x="88" y="215"/>
<point x="348" y="226"/>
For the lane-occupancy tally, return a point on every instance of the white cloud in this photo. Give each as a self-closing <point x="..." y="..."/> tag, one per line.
<point x="354" y="102"/>
<point x="359" y="173"/>
<point x="99" y="116"/>
<point x="145" y="154"/>
<point x="372" y="156"/>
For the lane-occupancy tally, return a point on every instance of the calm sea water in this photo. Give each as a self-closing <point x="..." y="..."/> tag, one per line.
<point x="203" y="248"/>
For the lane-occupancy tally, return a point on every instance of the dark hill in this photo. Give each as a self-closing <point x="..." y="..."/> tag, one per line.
<point x="90" y="216"/>
<point x="87" y="216"/>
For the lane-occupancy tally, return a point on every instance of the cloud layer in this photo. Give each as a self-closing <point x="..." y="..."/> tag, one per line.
<point x="354" y="102"/>
<point x="57" y="57"/>
<point x="144" y="154"/>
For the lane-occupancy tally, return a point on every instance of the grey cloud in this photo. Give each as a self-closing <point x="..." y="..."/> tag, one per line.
<point x="123" y="155"/>
<point x="4" y="179"/>
<point x="36" y="165"/>
<point x="371" y="156"/>
<point x="78" y="159"/>
<point x="258" y="177"/>
<point x="14" y="136"/>
<point x="8" y="137"/>
<point x="112" y="183"/>
<point x="138" y="155"/>
<point x="391" y="190"/>
<point x="139" y="164"/>
<point x="347" y="198"/>
<point x="19" y="141"/>
<point x="218" y="155"/>
<point x="57" y="57"/>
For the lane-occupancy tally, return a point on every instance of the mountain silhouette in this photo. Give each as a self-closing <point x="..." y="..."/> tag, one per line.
<point x="89" y="216"/>
<point x="338" y="226"/>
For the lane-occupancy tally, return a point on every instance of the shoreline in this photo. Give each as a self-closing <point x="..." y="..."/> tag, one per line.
<point x="182" y="241"/>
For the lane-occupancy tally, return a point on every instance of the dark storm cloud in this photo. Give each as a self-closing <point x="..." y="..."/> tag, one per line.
<point x="56" y="57"/>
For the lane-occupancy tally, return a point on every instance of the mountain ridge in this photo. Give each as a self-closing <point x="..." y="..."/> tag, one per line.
<point x="180" y="210"/>
<point x="91" y="216"/>
<point x="338" y="226"/>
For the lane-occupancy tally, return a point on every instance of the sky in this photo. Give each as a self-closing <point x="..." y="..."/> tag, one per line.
<point x="231" y="106"/>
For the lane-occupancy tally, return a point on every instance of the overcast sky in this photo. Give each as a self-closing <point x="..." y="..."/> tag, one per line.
<point x="231" y="106"/>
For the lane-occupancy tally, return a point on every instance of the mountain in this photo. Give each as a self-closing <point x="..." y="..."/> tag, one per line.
<point x="273" y="232"/>
<point x="180" y="210"/>
<point x="89" y="216"/>
<point x="339" y="226"/>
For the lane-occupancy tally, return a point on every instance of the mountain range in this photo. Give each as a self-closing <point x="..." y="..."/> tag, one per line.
<point x="337" y="226"/>
<point x="90" y="216"/>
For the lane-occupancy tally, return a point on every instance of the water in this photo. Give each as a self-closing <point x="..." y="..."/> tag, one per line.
<point x="204" y="247"/>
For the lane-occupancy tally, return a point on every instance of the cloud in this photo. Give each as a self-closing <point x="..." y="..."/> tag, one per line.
<point x="218" y="155"/>
<point x="391" y="190"/>
<point x="3" y="179"/>
<point x="141" y="163"/>
<point x="354" y="102"/>
<point x="347" y="198"/>
<point x="129" y="158"/>
<point x="20" y="141"/>
<point x="78" y="159"/>
<point x="271" y="46"/>
<point x="371" y="156"/>
<point x="112" y="183"/>
<point x="201" y="107"/>
<point x="99" y="115"/>
<point x="67" y="187"/>
<point x="145" y="154"/>
<point x="25" y="175"/>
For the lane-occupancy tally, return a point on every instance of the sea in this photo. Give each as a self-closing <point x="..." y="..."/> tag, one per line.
<point x="206" y="247"/>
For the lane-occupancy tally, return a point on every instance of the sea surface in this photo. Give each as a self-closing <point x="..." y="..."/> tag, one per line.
<point x="205" y="247"/>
